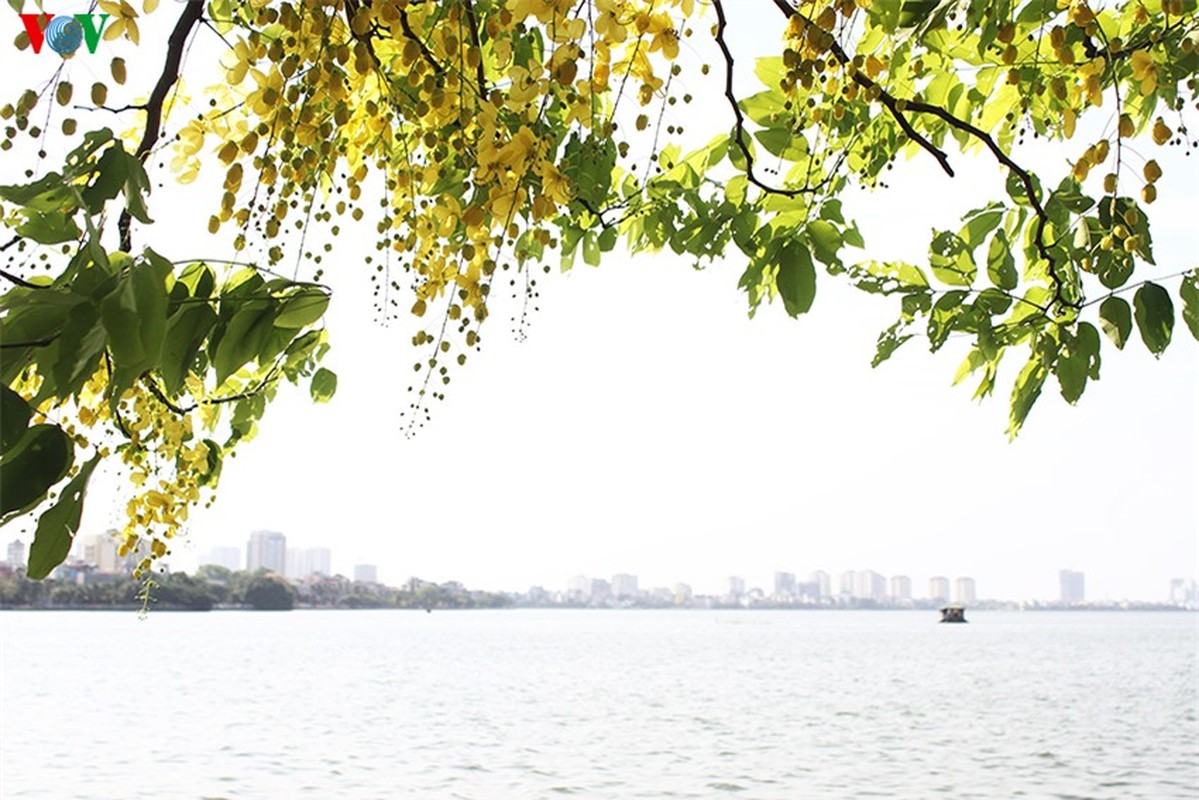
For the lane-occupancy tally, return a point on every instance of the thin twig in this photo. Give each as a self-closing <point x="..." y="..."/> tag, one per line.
<point x="192" y="13"/>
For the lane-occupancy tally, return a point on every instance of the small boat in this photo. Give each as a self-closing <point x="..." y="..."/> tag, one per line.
<point x="953" y="614"/>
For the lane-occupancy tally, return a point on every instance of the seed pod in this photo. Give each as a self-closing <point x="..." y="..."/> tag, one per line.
<point x="117" y="67"/>
<point x="1148" y="193"/>
<point x="63" y="93"/>
<point x="99" y="94"/>
<point x="1161" y="131"/>
<point x="1152" y="171"/>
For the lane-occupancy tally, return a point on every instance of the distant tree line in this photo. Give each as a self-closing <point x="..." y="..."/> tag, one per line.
<point x="218" y="587"/>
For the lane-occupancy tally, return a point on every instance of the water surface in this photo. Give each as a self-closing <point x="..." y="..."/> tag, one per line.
<point x="598" y="704"/>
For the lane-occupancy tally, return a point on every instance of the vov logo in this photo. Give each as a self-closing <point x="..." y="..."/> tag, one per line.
<point x="64" y="33"/>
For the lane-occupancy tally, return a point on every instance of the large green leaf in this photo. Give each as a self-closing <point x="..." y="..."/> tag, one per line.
<point x="78" y="349"/>
<point x="243" y="337"/>
<point x="950" y="259"/>
<point x="324" y="385"/>
<point x="14" y="418"/>
<point x="1077" y="361"/>
<point x="1115" y="317"/>
<point x="796" y="278"/>
<point x="826" y="241"/>
<point x="48" y="227"/>
<point x="111" y="171"/>
<point x="40" y="458"/>
<point x="1189" y="292"/>
<point x="58" y="524"/>
<point x="187" y="330"/>
<point x="1001" y="264"/>
<point x="1154" y="313"/>
<point x="1025" y="391"/>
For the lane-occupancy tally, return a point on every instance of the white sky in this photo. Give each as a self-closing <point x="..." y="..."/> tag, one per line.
<point x="647" y="426"/>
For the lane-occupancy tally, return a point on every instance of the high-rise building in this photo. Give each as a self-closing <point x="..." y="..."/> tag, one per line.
<point x="845" y="584"/>
<point x="1184" y="592"/>
<point x="734" y="587"/>
<point x="824" y="583"/>
<point x="938" y="589"/>
<point x="579" y="587"/>
<point x="964" y="591"/>
<point x="267" y="550"/>
<point x="784" y="584"/>
<point x="1073" y="586"/>
<point x="16" y="554"/>
<point x="305" y="561"/>
<point x="100" y="550"/>
<point x="869" y="585"/>
<point x="227" y="557"/>
<point x="366" y="573"/>
<point x="901" y="587"/>
<point x="624" y="586"/>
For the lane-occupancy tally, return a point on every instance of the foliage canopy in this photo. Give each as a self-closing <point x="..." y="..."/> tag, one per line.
<point x="478" y="137"/>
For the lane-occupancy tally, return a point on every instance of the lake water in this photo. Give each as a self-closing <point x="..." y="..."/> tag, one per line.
<point x="598" y="704"/>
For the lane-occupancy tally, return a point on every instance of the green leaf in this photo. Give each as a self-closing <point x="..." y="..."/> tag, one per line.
<point x="48" y="193"/>
<point x="782" y="143"/>
<point x="48" y="227"/>
<point x="796" y="278"/>
<point x="826" y="241"/>
<point x="1115" y="317"/>
<point x="1001" y="265"/>
<point x="187" y="330"/>
<point x="14" y="418"/>
<point x="324" y="385"/>
<point x="943" y="319"/>
<point x="1025" y="392"/>
<point x="242" y="338"/>
<point x="79" y="349"/>
<point x="763" y="106"/>
<point x="591" y="249"/>
<point x="111" y="172"/>
<point x="57" y="527"/>
<point x="950" y="259"/>
<point x="979" y="224"/>
<point x="1077" y="361"/>
<point x="1154" y="313"/>
<point x="302" y="308"/>
<point x="1189" y="292"/>
<point x="40" y="458"/>
<point x="889" y="341"/>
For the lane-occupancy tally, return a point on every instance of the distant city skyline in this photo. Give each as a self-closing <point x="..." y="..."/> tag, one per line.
<point x="858" y="583"/>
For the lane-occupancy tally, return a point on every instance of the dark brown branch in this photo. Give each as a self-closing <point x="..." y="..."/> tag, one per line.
<point x="34" y="343"/>
<point x="18" y="280"/>
<point x="473" y="21"/>
<point x="885" y="97"/>
<point x="892" y="105"/>
<point x="437" y="66"/>
<point x="152" y="385"/>
<point x="192" y="12"/>
<point x="739" y="127"/>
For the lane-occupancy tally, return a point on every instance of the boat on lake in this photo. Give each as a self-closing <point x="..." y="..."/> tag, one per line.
<point x="953" y="614"/>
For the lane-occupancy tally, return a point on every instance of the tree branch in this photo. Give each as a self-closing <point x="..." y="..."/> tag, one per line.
<point x="892" y="105"/>
<point x="473" y="21"/>
<point x="18" y="280"/>
<point x="739" y="127"/>
<point x="192" y="13"/>
<point x="437" y="66"/>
